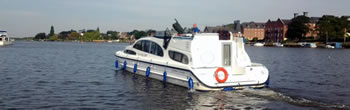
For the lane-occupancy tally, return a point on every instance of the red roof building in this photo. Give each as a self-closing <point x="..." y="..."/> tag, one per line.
<point x="275" y="31"/>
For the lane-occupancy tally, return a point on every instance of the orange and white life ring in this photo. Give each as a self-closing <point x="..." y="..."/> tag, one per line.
<point x="217" y="75"/>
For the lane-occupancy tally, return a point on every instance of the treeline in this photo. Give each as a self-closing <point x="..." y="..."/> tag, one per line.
<point x="333" y="28"/>
<point x="138" y="34"/>
<point x="91" y="35"/>
<point x="328" y="28"/>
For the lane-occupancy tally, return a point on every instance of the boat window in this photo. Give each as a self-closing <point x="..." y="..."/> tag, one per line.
<point x="224" y="35"/>
<point x="179" y="57"/>
<point x="156" y="49"/>
<point x="138" y="45"/>
<point x="0" y="39"/>
<point x="130" y="52"/>
<point x="146" y="45"/>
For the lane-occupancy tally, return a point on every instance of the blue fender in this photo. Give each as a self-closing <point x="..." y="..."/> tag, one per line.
<point x="267" y="82"/>
<point x="124" y="66"/>
<point x="135" y="68"/>
<point x="190" y="83"/>
<point x="228" y="89"/>
<point x="164" y="77"/>
<point x="116" y="64"/>
<point x="148" y="70"/>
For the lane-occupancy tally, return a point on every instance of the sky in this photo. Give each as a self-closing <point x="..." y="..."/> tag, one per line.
<point x="25" y="18"/>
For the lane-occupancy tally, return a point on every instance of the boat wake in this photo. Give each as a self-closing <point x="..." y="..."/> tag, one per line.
<point x="298" y="101"/>
<point x="255" y="99"/>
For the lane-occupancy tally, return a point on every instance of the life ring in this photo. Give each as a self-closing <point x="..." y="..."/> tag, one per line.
<point x="217" y="75"/>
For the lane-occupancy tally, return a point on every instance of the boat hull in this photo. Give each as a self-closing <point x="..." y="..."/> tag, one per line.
<point x="181" y="76"/>
<point x="2" y="43"/>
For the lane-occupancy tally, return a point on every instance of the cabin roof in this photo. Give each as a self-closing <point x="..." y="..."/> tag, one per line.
<point x="218" y="28"/>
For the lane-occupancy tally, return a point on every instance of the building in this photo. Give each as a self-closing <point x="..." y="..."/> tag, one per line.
<point x="275" y="31"/>
<point x="235" y="28"/>
<point x="253" y="30"/>
<point x="124" y="35"/>
<point x="312" y="26"/>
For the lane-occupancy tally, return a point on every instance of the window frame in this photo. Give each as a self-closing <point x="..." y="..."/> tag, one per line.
<point x="184" y="59"/>
<point x="150" y="47"/>
<point x="156" y="49"/>
<point x="138" y="45"/>
<point x="129" y="52"/>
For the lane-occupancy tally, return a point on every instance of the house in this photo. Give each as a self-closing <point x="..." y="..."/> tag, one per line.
<point x="312" y="26"/>
<point x="275" y="31"/>
<point x="253" y="30"/>
<point x="124" y="35"/>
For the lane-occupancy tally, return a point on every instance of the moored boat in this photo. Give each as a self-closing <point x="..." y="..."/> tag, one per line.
<point x="4" y="39"/>
<point x="203" y="61"/>
<point x="259" y="44"/>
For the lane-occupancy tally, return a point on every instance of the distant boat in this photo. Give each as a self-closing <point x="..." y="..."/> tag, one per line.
<point x="259" y="44"/>
<point x="4" y="39"/>
<point x="115" y="41"/>
<point x="330" y="46"/>
<point x="310" y="45"/>
<point x="278" y="44"/>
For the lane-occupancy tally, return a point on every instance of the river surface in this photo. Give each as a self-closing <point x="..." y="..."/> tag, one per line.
<point x="64" y="75"/>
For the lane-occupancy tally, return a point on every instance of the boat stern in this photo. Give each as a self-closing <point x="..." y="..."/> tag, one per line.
<point x="221" y="78"/>
<point x="221" y="62"/>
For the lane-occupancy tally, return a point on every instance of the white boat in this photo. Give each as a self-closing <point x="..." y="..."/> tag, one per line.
<point x="309" y="45"/>
<point x="4" y="39"/>
<point x="259" y="44"/>
<point x="278" y="44"/>
<point x="330" y="46"/>
<point x="206" y="61"/>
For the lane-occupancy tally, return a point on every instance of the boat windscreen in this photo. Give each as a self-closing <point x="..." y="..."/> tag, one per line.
<point x="224" y="35"/>
<point x="178" y="27"/>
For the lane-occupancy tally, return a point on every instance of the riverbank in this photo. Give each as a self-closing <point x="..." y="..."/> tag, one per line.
<point x="96" y="41"/>
<point x="304" y="44"/>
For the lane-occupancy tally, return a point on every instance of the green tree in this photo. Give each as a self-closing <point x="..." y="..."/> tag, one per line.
<point x="112" y="35"/>
<point x="90" y="36"/>
<point x="140" y="34"/>
<point x="332" y="28"/>
<point x="40" y="36"/>
<point x="298" y="28"/>
<point x="64" y="35"/>
<point x="52" y="31"/>
<point x="74" y="36"/>
<point x="133" y="32"/>
<point x="150" y="31"/>
<point x="53" y="38"/>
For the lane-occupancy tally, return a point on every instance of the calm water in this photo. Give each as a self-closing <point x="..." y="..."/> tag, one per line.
<point x="57" y="75"/>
